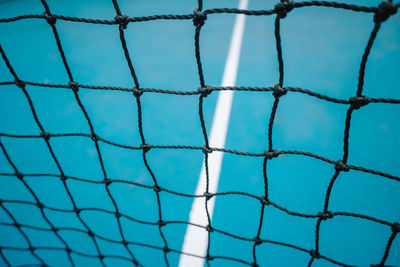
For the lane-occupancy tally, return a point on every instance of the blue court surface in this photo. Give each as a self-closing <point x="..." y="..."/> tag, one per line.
<point x="322" y="49"/>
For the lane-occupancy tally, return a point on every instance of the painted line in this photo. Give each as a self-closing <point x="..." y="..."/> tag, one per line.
<point x="196" y="239"/>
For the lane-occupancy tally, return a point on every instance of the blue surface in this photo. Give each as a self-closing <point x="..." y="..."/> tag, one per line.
<point x="322" y="49"/>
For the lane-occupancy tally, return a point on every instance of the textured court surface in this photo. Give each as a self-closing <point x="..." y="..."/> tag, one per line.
<point x="322" y="50"/>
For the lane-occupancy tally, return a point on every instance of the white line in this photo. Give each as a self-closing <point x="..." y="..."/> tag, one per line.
<point x="195" y="241"/>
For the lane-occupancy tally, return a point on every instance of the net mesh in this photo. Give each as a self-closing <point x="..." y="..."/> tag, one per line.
<point x="380" y="14"/>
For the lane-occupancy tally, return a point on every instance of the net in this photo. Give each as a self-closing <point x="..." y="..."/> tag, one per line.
<point x="380" y="14"/>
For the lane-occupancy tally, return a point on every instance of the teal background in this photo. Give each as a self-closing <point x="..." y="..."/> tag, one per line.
<point x="322" y="50"/>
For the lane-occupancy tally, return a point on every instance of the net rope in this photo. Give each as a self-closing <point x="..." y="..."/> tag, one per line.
<point x="380" y="14"/>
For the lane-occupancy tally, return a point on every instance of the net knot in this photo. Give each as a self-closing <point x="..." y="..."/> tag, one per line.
<point x="124" y="242"/>
<point x="357" y="102"/>
<point x="162" y="223"/>
<point x="254" y="265"/>
<point x="49" y="18"/>
<point x="19" y="175"/>
<point x="198" y="17"/>
<point x="63" y="178"/>
<point x="206" y="149"/>
<point x="208" y="195"/>
<point x="17" y="225"/>
<point x="341" y="166"/>
<point x="384" y="11"/>
<point x="54" y="229"/>
<point x="271" y="154"/>
<point x="145" y="147"/>
<point x="101" y="256"/>
<point x="284" y="7"/>
<point x="209" y="228"/>
<point x="264" y="200"/>
<point x="325" y="215"/>
<point x="209" y="257"/>
<point x="278" y="91"/>
<point x="46" y="136"/>
<point x="396" y="227"/>
<point x="39" y="205"/>
<point x="135" y="262"/>
<point x="166" y="249"/>
<point x="204" y="91"/>
<point x="137" y="92"/>
<point x="315" y="254"/>
<point x="107" y="182"/>
<point x="257" y="241"/>
<point x="19" y="83"/>
<point x="95" y="137"/>
<point x="157" y="189"/>
<point x="118" y="215"/>
<point x="91" y="234"/>
<point x="68" y="250"/>
<point x="74" y="86"/>
<point x="32" y="249"/>
<point x="122" y="20"/>
<point x="77" y="210"/>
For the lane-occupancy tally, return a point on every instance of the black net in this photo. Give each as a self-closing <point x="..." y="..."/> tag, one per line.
<point x="380" y="14"/>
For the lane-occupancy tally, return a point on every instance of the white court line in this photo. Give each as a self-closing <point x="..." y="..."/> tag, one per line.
<point x="196" y="239"/>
